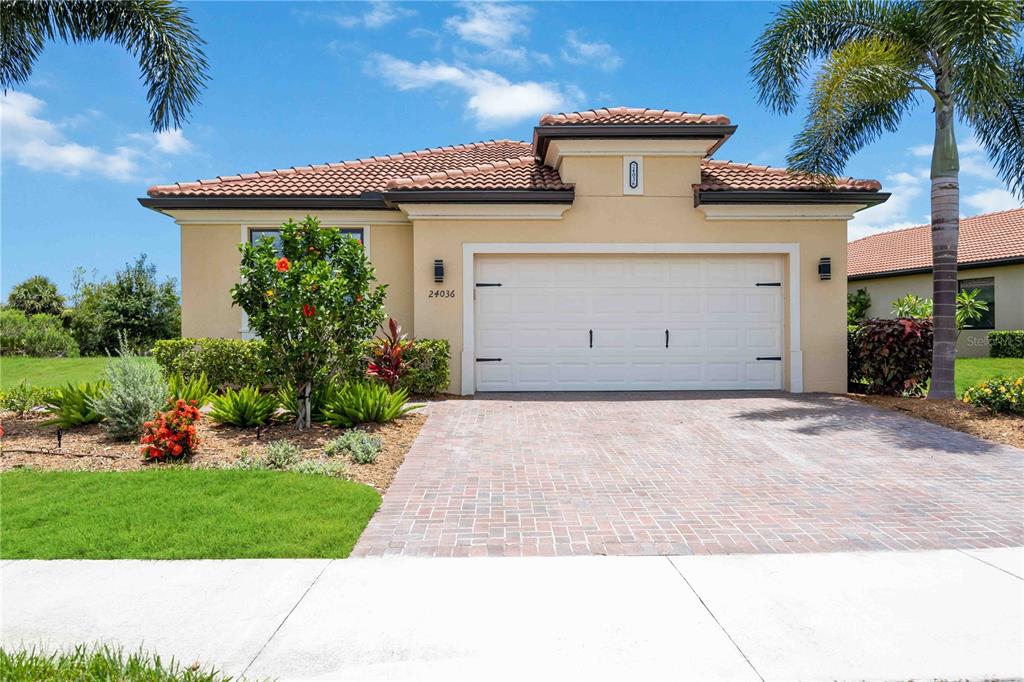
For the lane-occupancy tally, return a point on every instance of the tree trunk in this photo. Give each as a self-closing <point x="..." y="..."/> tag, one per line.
<point x="305" y="406"/>
<point x="945" y="233"/>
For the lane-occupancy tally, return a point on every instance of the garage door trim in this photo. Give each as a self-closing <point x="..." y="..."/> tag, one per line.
<point x="469" y="252"/>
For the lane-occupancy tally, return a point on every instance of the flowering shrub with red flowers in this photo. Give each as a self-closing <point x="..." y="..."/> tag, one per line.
<point x="172" y="433"/>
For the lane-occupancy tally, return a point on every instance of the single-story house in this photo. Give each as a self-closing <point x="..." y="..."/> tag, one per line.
<point x="990" y="258"/>
<point x="609" y="253"/>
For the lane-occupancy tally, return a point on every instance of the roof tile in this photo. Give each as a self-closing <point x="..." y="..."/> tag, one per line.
<point x="992" y="236"/>
<point x="631" y="116"/>
<point x="725" y="175"/>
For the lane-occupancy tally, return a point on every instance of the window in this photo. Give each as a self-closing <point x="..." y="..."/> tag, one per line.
<point x="256" y="234"/>
<point x="986" y="287"/>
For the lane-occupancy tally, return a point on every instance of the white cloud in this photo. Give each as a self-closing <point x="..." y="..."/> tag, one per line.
<point x="990" y="200"/>
<point x="36" y="143"/>
<point x="492" y="99"/>
<point x="494" y="26"/>
<point x="379" y="14"/>
<point x="579" y="51"/>
<point x="897" y="212"/>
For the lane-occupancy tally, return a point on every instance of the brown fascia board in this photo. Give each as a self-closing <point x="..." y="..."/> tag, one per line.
<point x="369" y="200"/>
<point x="542" y="135"/>
<point x="796" y="196"/>
<point x="995" y="262"/>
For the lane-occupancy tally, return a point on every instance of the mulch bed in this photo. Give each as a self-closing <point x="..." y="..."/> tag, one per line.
<point x="955" y="414"/>
<point x="88" y="448"/>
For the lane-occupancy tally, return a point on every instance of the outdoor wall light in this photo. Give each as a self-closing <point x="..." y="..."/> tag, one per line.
<point x="438" y="271"/>
<point x="825" y="268"/>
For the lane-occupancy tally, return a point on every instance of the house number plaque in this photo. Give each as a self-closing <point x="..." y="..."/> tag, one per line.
<point x="441" y="293"/>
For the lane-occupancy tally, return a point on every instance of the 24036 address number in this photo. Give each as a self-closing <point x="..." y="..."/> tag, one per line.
<point x="441" y="293"/>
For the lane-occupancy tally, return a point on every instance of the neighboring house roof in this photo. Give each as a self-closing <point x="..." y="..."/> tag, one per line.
<point x="498" y="170"/>
<point x="987" y="239"/>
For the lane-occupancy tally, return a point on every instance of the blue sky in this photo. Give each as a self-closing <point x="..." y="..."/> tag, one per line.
<point x="299" y="83"/>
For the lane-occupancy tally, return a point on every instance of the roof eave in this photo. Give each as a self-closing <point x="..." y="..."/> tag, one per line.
<point x="992" y="262"/>
<point x="796" y="196"/>
<point x="542" y="135"/>
<point x="365" y="201"/>
<point x="463" y="196"/>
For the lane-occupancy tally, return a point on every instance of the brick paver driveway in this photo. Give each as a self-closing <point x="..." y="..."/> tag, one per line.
<point x="692" y="473"/>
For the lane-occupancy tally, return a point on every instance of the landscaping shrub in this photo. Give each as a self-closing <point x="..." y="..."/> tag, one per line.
<point x="894" y="356"/>
<point x="998" y="395"/>
<point x="362" y="402"/>
<point x="195" y="390"/>
<point x="172" y="433"/>
<point x="281" y="454"/>
<point x="102" y="662"/>
<point x="387" y="352"/>
<point x="39" y="335"/>
<point x="244" y="407"/>
<point x="854" y="374"/>
<point x="288" y="401"/>
<point x="857" y="306"/>
<point x="360" y="446"/>
<point x="1006" y="344"/>
<point x="72" y="405"/>
<point x="320" y="467"/>
<point x="426" y="367"/>
<point x="36" y="295"/>
<point x="226" y="362"/>
<point x="137" y="389"/>
<point x="22" y="398"/>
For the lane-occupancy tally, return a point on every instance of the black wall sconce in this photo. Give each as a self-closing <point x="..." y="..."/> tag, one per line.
<point x="438" y="271"/>
<point x="825" y="268"/>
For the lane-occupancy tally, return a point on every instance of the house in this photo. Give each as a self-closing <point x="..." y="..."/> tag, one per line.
<point x="990" y="258"/>
<point x="610" y="252"/>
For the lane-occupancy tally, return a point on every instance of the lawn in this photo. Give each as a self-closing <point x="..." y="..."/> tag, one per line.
<point x="972" y="371"/>
<point x="180" y="513"/>
<point x="48" y="372"/>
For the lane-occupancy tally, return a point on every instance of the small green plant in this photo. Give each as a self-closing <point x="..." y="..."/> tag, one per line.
<point x="101" y="662"/>
<point x="136" y="391"/>
<point x="194" y="390"/>
<point x="287" y="399"/>
<point x="72" y="405"/>
<point x="362" y="402"/>
<point x="22" y="398"/>
<point x="1000" y="395"/>
<point x="361" y="447"/>
<point x="857" y="306"/>
<point x="969" y="308"/>
<point x="281" y="454"/>
<point x="320" y="467"/>
<point x="247" y="462"/>
<point x="244" y="407"/>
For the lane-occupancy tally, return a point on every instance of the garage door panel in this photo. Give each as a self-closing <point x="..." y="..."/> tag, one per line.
<point x="539" y="322"/>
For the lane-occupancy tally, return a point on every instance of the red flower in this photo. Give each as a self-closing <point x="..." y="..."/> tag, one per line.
<point x="308" y="310"/>
<point x="283" y="264"/>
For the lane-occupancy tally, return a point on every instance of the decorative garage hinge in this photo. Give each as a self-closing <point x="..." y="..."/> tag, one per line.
<point x="488" y="359"/>
<point x="768" y="284"/>
<point x="774" y="357"/>
<point x="488" y="284"/>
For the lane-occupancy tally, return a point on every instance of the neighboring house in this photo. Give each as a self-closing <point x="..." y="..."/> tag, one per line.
<point x="990" y="258"/>
<point x="608" y="253"/>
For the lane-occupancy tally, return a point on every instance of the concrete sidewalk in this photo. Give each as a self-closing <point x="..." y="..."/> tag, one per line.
<point x="860" y="615"/>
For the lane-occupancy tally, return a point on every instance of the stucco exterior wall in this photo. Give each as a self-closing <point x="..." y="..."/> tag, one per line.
<point x="664" y="214"/>
<point x="1009" y="294"/>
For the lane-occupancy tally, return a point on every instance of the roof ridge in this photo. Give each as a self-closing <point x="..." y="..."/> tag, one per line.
<point x="311" y="168"/>
<point x="992" y="213"/>
<point x="607" y="112"/>
<point x="450" y="173"/>
<point x="928" y="225"/>
<point x="888" y="232"/>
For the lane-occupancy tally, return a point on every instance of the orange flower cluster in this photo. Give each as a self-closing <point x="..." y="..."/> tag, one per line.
<point x="172" y="433"/>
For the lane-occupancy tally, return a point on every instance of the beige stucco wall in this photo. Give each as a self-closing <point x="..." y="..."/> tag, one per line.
<point x="666" y="214"/>
<point x="210" y="257"/>
<point x="1009" y="281"/>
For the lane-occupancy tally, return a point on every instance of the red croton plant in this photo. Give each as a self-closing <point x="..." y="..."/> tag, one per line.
<point x="172" y="433"/>
<point x="387" y="362"/>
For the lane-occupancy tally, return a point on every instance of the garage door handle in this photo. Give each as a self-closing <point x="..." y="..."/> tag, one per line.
<point x="666" y="338"/>
<point x="771" y="358"/>
<point x="591" y="338"/>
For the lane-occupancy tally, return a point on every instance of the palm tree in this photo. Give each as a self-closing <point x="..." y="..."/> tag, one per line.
<point x="879" y="59"/>
<point x="159" y="33"/>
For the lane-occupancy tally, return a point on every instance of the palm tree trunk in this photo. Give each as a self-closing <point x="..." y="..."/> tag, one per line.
<point x="945" y="233"/>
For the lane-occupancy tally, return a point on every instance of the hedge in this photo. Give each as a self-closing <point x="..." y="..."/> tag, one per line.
<point x="1006" y="344"/>
<point x="237" y="362"/>
<point x="894" y="357"/>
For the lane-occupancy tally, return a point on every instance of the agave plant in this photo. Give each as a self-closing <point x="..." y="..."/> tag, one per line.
<point x="288" y="401"/>
<point x="195" y="391"/>
<point x="362" y="402"/>
<point x="244" y="407"/>
<point x="73" y="405"/>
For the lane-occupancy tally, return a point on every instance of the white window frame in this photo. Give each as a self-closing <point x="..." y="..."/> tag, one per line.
<point x="246" y="234"/>
<point x="469" y="252"/>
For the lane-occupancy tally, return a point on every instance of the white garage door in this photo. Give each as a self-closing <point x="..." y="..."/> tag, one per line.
<point x="644" y="322"/>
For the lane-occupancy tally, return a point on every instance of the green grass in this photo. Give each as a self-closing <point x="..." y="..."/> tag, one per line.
<point x="179" y="513"/>
<point x="973" y="371"/>
<point x="49" y="372"/>
<point x="97" y="664"/>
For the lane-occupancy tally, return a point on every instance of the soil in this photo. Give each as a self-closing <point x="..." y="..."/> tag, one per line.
<point x="955" y="414"/>
<point x="88" y="448"/>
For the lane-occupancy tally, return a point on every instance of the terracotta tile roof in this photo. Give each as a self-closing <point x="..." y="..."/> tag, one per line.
<point x="524" y="172"/>
<point x="504" y="158"/>
<point x="725" y="175"/>
<point x="631" y="116"/>
<point x="988" y="237"/>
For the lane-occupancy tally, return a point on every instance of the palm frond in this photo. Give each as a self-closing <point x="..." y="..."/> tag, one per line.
<point x="807" y="30"/>
<point x="997" y="116"/>
<point x="160" y="34"/>
<point x="863" y="90"/>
